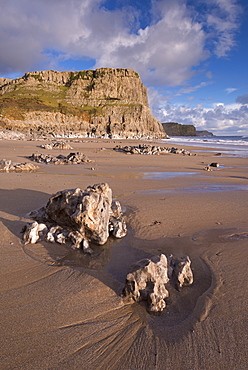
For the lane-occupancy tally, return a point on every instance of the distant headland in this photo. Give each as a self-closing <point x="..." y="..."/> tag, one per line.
<point x="177" y="129"/>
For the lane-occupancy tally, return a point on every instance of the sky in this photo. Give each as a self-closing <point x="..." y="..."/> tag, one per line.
<point x="191" y="55"/>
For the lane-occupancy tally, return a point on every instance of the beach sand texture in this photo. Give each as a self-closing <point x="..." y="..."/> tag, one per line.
<point x="61" y="309"/>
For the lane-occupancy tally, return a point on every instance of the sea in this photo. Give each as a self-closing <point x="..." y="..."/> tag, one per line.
<point x="226" y="145"/>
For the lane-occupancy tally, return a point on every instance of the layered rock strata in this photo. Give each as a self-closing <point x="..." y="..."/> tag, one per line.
<point x="105" y="102"/>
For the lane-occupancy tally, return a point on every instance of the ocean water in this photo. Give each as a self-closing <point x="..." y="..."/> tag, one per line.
<point x="229" y="145"/>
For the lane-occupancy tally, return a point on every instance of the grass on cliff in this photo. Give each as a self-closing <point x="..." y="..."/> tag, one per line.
<point x="22" y="99"/>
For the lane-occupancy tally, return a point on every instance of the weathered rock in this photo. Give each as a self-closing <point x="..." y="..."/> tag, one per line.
<point x="117" y="226"/>
<point x="7" y="166"/>
<point x="147" y="278"/>
<point x="61" y="145"/>
<point x="146" y="281"/>
<point x="72" y="158"/>
<point x="150" y="150"/>
<point x="34" y="232"/>
<point x="183" y="272"/>
<point x="80" y="217"/>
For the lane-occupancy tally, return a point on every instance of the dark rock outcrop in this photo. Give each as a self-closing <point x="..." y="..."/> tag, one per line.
<point x="176" y="129"/>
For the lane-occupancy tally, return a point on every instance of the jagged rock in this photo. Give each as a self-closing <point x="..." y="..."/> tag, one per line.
<point x="61" y="145"/>
<point x="183" y="272"/>
<point x="146" y="281"/>
<point x="34" y="232"/>
<point x="72" y="158"/>
<point x="7" y="166"/>
<point x="147" y="278"/>
<point x="80" y="217"/>
<point x="117" y="226"/>
<point x="150" y="150"/>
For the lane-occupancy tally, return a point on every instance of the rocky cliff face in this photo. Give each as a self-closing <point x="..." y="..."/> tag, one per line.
<point x="176" y="129"/>
<point x="102" y="102"/>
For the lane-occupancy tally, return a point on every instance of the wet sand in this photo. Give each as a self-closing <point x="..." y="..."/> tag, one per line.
<point x="61" y="309"/>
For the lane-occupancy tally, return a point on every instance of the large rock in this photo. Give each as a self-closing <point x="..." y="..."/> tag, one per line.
<point x="6" y="165"/>
<point x="147" y="278"/>
<point x="80" y="216"/>
<point x="102" y="102"/>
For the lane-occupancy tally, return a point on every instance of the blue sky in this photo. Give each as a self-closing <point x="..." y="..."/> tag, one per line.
<point x="192" y="55"/>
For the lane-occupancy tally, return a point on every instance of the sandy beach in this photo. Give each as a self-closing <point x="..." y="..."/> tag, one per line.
<point x="61" y="309"/>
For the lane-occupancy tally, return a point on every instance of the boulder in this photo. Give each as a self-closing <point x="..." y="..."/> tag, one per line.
<point x="7" y="166"/>
<point x="80" y="216"/>
<point x="147" y="278"/>
<point x="146" y="281"/>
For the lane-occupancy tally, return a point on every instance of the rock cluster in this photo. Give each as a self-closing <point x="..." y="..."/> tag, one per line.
<point x="150" y="149"/>
<point x="147" y="278"/>
<point x="7" y="166"/>
<point x="78" y="217"/>
<point x="61" y="145"/>
<point x="72" y="158"/>
<point x="209" y="167"/>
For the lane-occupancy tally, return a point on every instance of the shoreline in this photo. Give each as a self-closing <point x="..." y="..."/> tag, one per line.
<point x="61" y="309"/>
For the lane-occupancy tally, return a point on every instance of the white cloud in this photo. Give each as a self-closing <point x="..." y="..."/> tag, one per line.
<point x="223" y="20"/>
<point x="230" y="90"/>
<point x="165" y="52"/>
<point x="219" y="118"/>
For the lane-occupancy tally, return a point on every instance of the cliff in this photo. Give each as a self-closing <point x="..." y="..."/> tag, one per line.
<point x="204" y="133"/>
<point x="102" y="102"/>
<point x="176" y="129"/>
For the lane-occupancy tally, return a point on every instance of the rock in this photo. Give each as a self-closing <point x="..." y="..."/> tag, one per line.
<point x="150" y="150"/>
<point x="8" y="166"/>
<point x="61" y="145"/>
<point x="34" y="232"/>
<point x="146" y="281"/>
<point x="147" y="278"/>
<point x="116" y="223"/>
<point x="72" y="158"/>
<point x="207" y="168"/>
<point x="80" y="217"/>
<point x="214" y="164"/>
<point x="183" y="272"/>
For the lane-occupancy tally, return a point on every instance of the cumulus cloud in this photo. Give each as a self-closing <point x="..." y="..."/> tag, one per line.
<point x="40" y="34"/>
<point x="223" y="20"/>
<point x="219" y="118"/>
<point x="242" y="99"/>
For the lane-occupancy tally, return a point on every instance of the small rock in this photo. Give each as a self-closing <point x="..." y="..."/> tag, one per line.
<point x="214" y="164"/>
